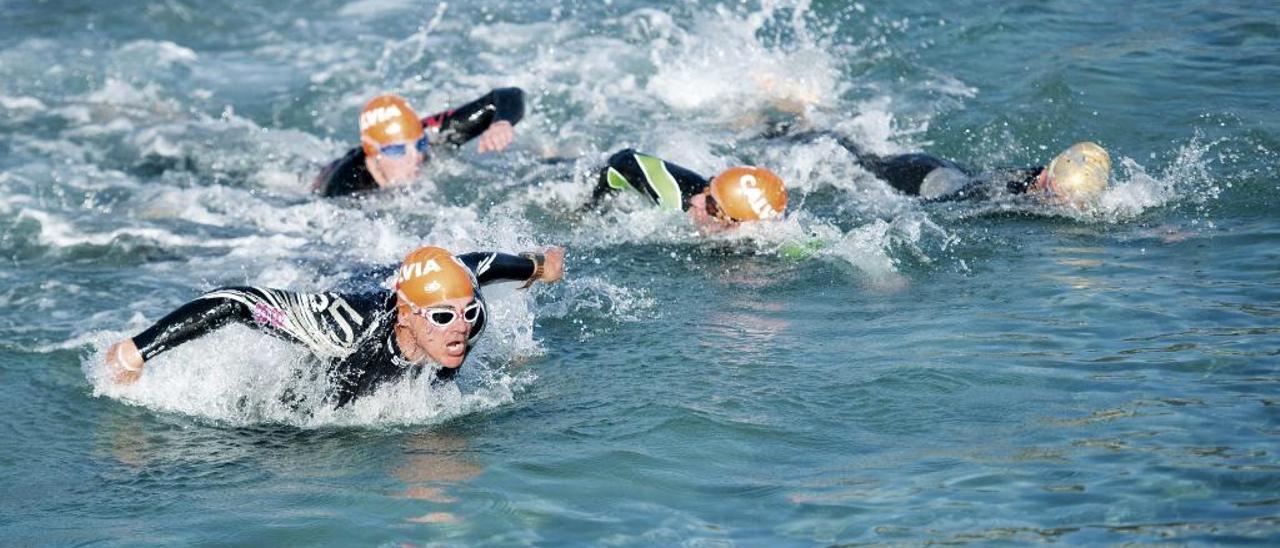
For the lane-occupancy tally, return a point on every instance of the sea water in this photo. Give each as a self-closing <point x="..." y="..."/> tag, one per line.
<point x="954" y="373"/>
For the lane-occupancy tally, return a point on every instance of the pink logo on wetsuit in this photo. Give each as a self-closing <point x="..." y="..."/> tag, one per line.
<point x="265" y="314"/>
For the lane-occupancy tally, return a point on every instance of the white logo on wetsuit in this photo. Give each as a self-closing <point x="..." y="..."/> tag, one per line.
<point x="485" y="264"/>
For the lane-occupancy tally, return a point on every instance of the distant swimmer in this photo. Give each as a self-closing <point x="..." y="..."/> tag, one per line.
<point x="394" y="142"/>
<point x="738" y="194"/>
<point x="1077" y="177"/>
<point x="432" y="318"/>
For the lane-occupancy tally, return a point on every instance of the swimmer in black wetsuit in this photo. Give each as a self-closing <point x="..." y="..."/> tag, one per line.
<point x="737" y="194"/>
<point x="434" y="316"/>
<point x="1076" y="177"/>
<point x="394" y="142"/>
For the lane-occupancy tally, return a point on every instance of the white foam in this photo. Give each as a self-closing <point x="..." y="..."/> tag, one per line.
<point x="721" y="65"/>
<point x="159" y="54"/>
<point x="117" y="92"/>
<point x="1134" y="191"/>
<point x="375" y="8"/>
<point x="21" y="103"/>
<point x="241" y="377"/>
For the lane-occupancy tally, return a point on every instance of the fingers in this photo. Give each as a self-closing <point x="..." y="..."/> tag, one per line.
<point x="494" y="140"/>
<point x="553" y="265"/>
<point x="123" y="376"/>
<point x="497" y="137"/>
<point x="124" y="361"/>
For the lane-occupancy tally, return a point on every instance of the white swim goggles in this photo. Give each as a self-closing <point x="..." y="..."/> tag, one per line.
<point x="443" y="316"/>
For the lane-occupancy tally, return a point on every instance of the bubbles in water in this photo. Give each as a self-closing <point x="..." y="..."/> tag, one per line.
<point x="198" y="189"/>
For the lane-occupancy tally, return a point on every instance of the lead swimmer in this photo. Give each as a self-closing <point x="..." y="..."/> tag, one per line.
<point x="428" y="322"/>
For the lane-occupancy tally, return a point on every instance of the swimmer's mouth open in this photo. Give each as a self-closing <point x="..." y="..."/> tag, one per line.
<point x="457" y="348"/>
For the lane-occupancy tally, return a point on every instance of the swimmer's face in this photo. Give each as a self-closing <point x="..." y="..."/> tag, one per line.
<point x="445" y="344"/>
<point x="399" y="162"/>
<point x="706" y="214"/>
<point x="1049" y="191"/>
<point x="1043" y="186"/>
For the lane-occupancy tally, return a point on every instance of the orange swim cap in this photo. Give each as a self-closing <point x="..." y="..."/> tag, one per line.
<point x="748" y="193"/>
<point x="388" y="119"/>
<point x="431" y="275"/>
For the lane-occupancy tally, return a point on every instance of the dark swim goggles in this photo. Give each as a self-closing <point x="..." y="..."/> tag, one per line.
<point x="398" y="150"/>
<point x="713" y="209"/>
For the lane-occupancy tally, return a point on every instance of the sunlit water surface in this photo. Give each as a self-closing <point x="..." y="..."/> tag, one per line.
<point x="961" y="373"/>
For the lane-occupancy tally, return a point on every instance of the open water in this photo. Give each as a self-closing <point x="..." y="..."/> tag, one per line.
<point x="959" y="373"/>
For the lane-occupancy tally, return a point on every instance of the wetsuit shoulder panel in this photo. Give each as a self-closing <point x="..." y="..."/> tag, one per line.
<point x="459" y="125"/>
<point x="667" y="185"/>
<point x="346" y="175"/>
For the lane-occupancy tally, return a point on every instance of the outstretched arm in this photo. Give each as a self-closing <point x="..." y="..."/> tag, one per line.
<point x="324" y="322"/>
<point x="189" y="322"/>
<point x="491" y="117"/>
<point x="491" y="267"/>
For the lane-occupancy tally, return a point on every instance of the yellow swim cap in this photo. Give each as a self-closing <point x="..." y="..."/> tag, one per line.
<point x="1079" y="175"/>
<point x="747" y="193"/>
<point x="431" y="275"/>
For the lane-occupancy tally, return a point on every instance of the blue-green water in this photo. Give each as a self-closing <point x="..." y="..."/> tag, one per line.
<point x="937" y="374"/>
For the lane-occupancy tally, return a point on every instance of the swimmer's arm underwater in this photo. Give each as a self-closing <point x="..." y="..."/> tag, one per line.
<point x="990" y="184"/>
<point x="802" y="250"/>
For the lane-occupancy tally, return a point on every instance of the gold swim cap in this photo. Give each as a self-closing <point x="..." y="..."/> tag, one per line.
<point x="749" y="193"/>
<point x="1079" y="175"/>
<point x="431" y="275"/>
<point x="388" y="120"/>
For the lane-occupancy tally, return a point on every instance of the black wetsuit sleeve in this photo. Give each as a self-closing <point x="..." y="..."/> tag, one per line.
<point x="991" y="184"/>
<point x="666" y="184"/>
<point x="459" y="125"/>
<point x="346" y="175"/>
<point x="189" y="322"/>
<point x="1016" y="180"/>
<point x="490" y="267"/>
<point x="323" y="322"/>
<point x="906" y="172"/>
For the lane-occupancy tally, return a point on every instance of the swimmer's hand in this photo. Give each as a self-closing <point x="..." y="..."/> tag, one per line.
<point x="553" y="266"/>
<point x="497" y="137"/>
<point x="799" y="251"/>
<point x="125" y="361"/>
